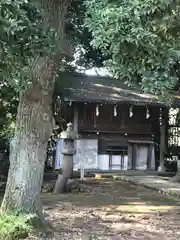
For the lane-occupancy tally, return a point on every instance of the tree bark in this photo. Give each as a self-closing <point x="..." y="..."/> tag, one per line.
<point x="34" y="125"/>
<point x="27" y="158"/>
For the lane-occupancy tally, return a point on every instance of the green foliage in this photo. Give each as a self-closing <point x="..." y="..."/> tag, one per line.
<point x="8" y="110"/>
<point x="77" y="31"/>
<point x="23" y="38"/>
<point x="14" y="227"/>
<point x="140" y="38"/>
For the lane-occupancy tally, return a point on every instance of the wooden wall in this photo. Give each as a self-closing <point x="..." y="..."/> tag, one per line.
<point x="117" y="130"/>
<point x="106" y="122"/>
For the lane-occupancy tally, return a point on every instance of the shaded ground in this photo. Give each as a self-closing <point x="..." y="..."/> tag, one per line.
<point x="114" y="210"/>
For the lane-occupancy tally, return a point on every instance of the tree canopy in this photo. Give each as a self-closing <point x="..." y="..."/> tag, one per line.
<point x="23" y="37"/>
<point x="140" y="38"/>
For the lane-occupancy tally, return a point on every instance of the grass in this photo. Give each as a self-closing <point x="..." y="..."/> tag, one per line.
<point x="14" y="227"/>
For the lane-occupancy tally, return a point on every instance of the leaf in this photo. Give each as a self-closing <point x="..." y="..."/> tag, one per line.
<point x="140" y="40"/>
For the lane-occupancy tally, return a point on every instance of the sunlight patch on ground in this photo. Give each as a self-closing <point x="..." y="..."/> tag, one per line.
<point x="174" y="189"/>
<point x="140" y="208"/>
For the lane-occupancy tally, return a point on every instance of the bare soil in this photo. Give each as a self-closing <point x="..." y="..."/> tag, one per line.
<point x="113" y="210"/>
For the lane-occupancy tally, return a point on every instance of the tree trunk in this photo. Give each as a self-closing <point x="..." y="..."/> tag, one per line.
<point x="27" y="158"/>
<point x="34" y="123"/>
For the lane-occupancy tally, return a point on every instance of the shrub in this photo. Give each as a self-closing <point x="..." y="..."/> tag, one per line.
<point x="14" y="227"/>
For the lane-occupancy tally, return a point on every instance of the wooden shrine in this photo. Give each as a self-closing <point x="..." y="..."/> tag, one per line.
<point x="121" y="127"/>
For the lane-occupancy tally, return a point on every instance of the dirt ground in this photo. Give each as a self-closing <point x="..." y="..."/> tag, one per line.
<point x="113" y="210"/>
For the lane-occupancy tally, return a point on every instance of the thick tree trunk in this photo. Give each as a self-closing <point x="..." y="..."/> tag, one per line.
<point x="34" y="123"/>
<point x="27" y="158"/>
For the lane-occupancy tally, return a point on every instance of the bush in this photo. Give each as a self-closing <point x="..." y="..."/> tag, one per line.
<point x="14" y="227"/>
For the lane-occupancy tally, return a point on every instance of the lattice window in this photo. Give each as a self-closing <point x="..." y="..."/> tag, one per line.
<point x="174" y="136"/>
<point x="174" y="127"/>
<point x="174" y="117"/>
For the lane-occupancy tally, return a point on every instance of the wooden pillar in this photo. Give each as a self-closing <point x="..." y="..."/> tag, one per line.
<point x="162" y="139"/>
<point x="134" y="157"/>
<point x="130" y="154"/>
<point x="149" y="156"/>
<point x="75" y="124"/>
<point x="162" y="143"/>
<point x="75" y="117"/>
<point x="80" y="153"/>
